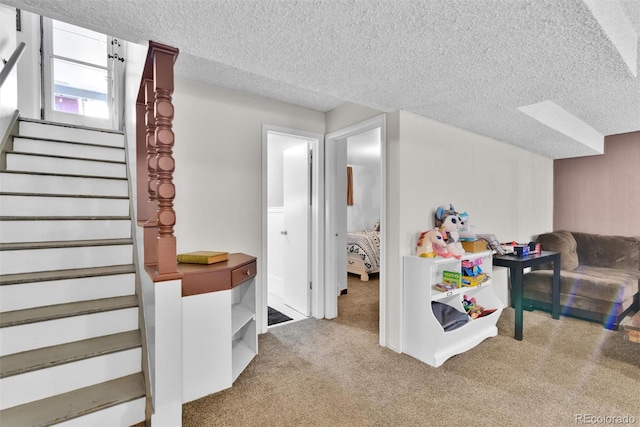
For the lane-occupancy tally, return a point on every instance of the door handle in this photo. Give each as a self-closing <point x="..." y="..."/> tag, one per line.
<point x="283" y="232"/>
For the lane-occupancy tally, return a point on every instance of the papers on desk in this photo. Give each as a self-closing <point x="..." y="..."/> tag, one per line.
<point x="508" y="249"/>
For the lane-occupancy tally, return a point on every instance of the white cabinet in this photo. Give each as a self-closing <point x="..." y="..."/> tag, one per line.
<point x="219" y="335"/>
<point x="423" y="336"/>
<point x="206" y="339"/>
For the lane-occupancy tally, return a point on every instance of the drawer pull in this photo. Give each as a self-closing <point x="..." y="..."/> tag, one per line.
<point x="248" y="272"/>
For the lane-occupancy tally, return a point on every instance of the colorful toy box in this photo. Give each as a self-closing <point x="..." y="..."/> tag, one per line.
<point x="472" y="281"/>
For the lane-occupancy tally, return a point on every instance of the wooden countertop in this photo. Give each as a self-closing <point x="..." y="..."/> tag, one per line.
<point x="220" y="276"/>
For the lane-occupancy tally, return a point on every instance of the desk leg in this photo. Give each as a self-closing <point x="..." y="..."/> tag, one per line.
<point x="555" y="291"/>
<point x="516" y="292"/>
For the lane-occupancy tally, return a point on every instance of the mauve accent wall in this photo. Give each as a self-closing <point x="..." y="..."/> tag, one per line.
<point x="600" y="194"/>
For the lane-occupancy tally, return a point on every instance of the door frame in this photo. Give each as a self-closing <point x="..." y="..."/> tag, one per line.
<point x="331" y="291"/>
<point x="317" y="219"/>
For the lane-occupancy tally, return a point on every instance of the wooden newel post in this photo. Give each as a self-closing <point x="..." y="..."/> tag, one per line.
<point x="155" y="163"/>
<point x="164" y="163"/>
<point x="152" y="152"/>
<point x="141" y="158"/>
<point x="150" y="205"/>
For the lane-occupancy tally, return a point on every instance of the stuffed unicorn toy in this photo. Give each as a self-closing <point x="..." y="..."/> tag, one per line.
<point x="429" y="242"/>
<point x="450" y="223"/>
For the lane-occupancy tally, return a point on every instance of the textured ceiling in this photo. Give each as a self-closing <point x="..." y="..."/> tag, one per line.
<point x="469" y="63"/>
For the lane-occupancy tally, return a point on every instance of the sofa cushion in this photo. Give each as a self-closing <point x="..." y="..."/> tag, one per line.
<point x="561" y="241"/>
<point x="600" y="283"/>
<point x="608" y="251"/>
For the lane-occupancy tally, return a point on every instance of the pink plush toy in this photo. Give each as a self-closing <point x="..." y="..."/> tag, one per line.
<point x="429" y="243"/>
<point x="441" y="250"/>
<point x="449" y="222"/>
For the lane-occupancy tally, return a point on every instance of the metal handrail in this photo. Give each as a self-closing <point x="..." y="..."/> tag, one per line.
<point x="11" y="63"/>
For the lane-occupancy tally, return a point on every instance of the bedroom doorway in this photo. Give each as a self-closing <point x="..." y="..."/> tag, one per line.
<point x="362" y="145"/>
<point x="290" y="208"/>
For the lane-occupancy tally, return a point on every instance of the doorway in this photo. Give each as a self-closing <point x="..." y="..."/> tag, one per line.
<point x="291" y="226"/>
<point x="82" y="73"/>
<point x="341" y="218"/>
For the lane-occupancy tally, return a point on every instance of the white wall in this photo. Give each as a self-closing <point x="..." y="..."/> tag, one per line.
<point x="363" y="155"/>
<point x="507" y="191"/>
<point x="29" y="66"/>
<point x="277" y="143"/>
<point x="218" y="177"/>
<point x="9" y="90"/>
<point x="218" y="144"/>
<point x="348" y="114"/>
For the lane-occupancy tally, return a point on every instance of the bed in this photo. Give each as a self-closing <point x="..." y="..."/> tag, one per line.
<point x="363" y="253"/>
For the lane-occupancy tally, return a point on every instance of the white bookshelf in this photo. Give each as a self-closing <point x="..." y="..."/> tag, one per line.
<point x="424" y="337"/>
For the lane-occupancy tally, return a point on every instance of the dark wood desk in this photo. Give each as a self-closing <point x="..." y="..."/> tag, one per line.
<point x="516" y="265"/>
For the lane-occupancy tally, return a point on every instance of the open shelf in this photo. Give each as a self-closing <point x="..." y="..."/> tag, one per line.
<point x="243" y="348"/>
<point x="437" y="295"/>
<point x="240" y="315"/>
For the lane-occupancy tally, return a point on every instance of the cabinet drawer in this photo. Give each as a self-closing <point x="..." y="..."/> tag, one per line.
<point x="243" y="273"/>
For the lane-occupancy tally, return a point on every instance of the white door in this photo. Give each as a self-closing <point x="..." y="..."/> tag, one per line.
<point x="340" y="214"/>
<point x="297" y="210"/>
<point x="336" y="203"/>
<point x="82" y="71"/>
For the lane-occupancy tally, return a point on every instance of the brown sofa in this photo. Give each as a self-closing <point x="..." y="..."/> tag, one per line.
<point x="599" y="277"/>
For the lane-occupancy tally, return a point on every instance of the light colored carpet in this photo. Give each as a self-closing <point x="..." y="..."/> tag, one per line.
<point x="334" y="373"/>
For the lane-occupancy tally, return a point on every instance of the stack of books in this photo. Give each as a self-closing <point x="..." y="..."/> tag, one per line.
<point x="203" y="257"/>
<point x="445" y="288"/>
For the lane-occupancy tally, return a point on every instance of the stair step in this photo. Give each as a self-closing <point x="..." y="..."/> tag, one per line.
<point x="63" y="257"/>
<point x="76" y="403"/>
<point x="43" y="183"/>
<point x="63" y="219"/>
<point x="68" y="149"/>
<point x="61" y="195"/>
<point x="63" y="244"/>
<point x="31" y="336"/>
<point x="49" y="164"/>
<point x="73" y="273"/>
<point x="33" y="229"/>
<point x="20" y="296"/>
<point x="129" y="413"/>
<point x="43" y="383"/>
<point x="60" y="205"/>
<point x="59" y="311"/>
<point x="20" y="363"/>
<point x="64" y="132"/>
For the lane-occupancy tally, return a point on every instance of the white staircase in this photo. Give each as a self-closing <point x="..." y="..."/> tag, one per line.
<point x="70" y="344"/>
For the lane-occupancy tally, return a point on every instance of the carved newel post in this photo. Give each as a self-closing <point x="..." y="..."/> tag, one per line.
<point x="150" y="207"/>
<point x="164" y="164"/>
<point x="152" y="152"/>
